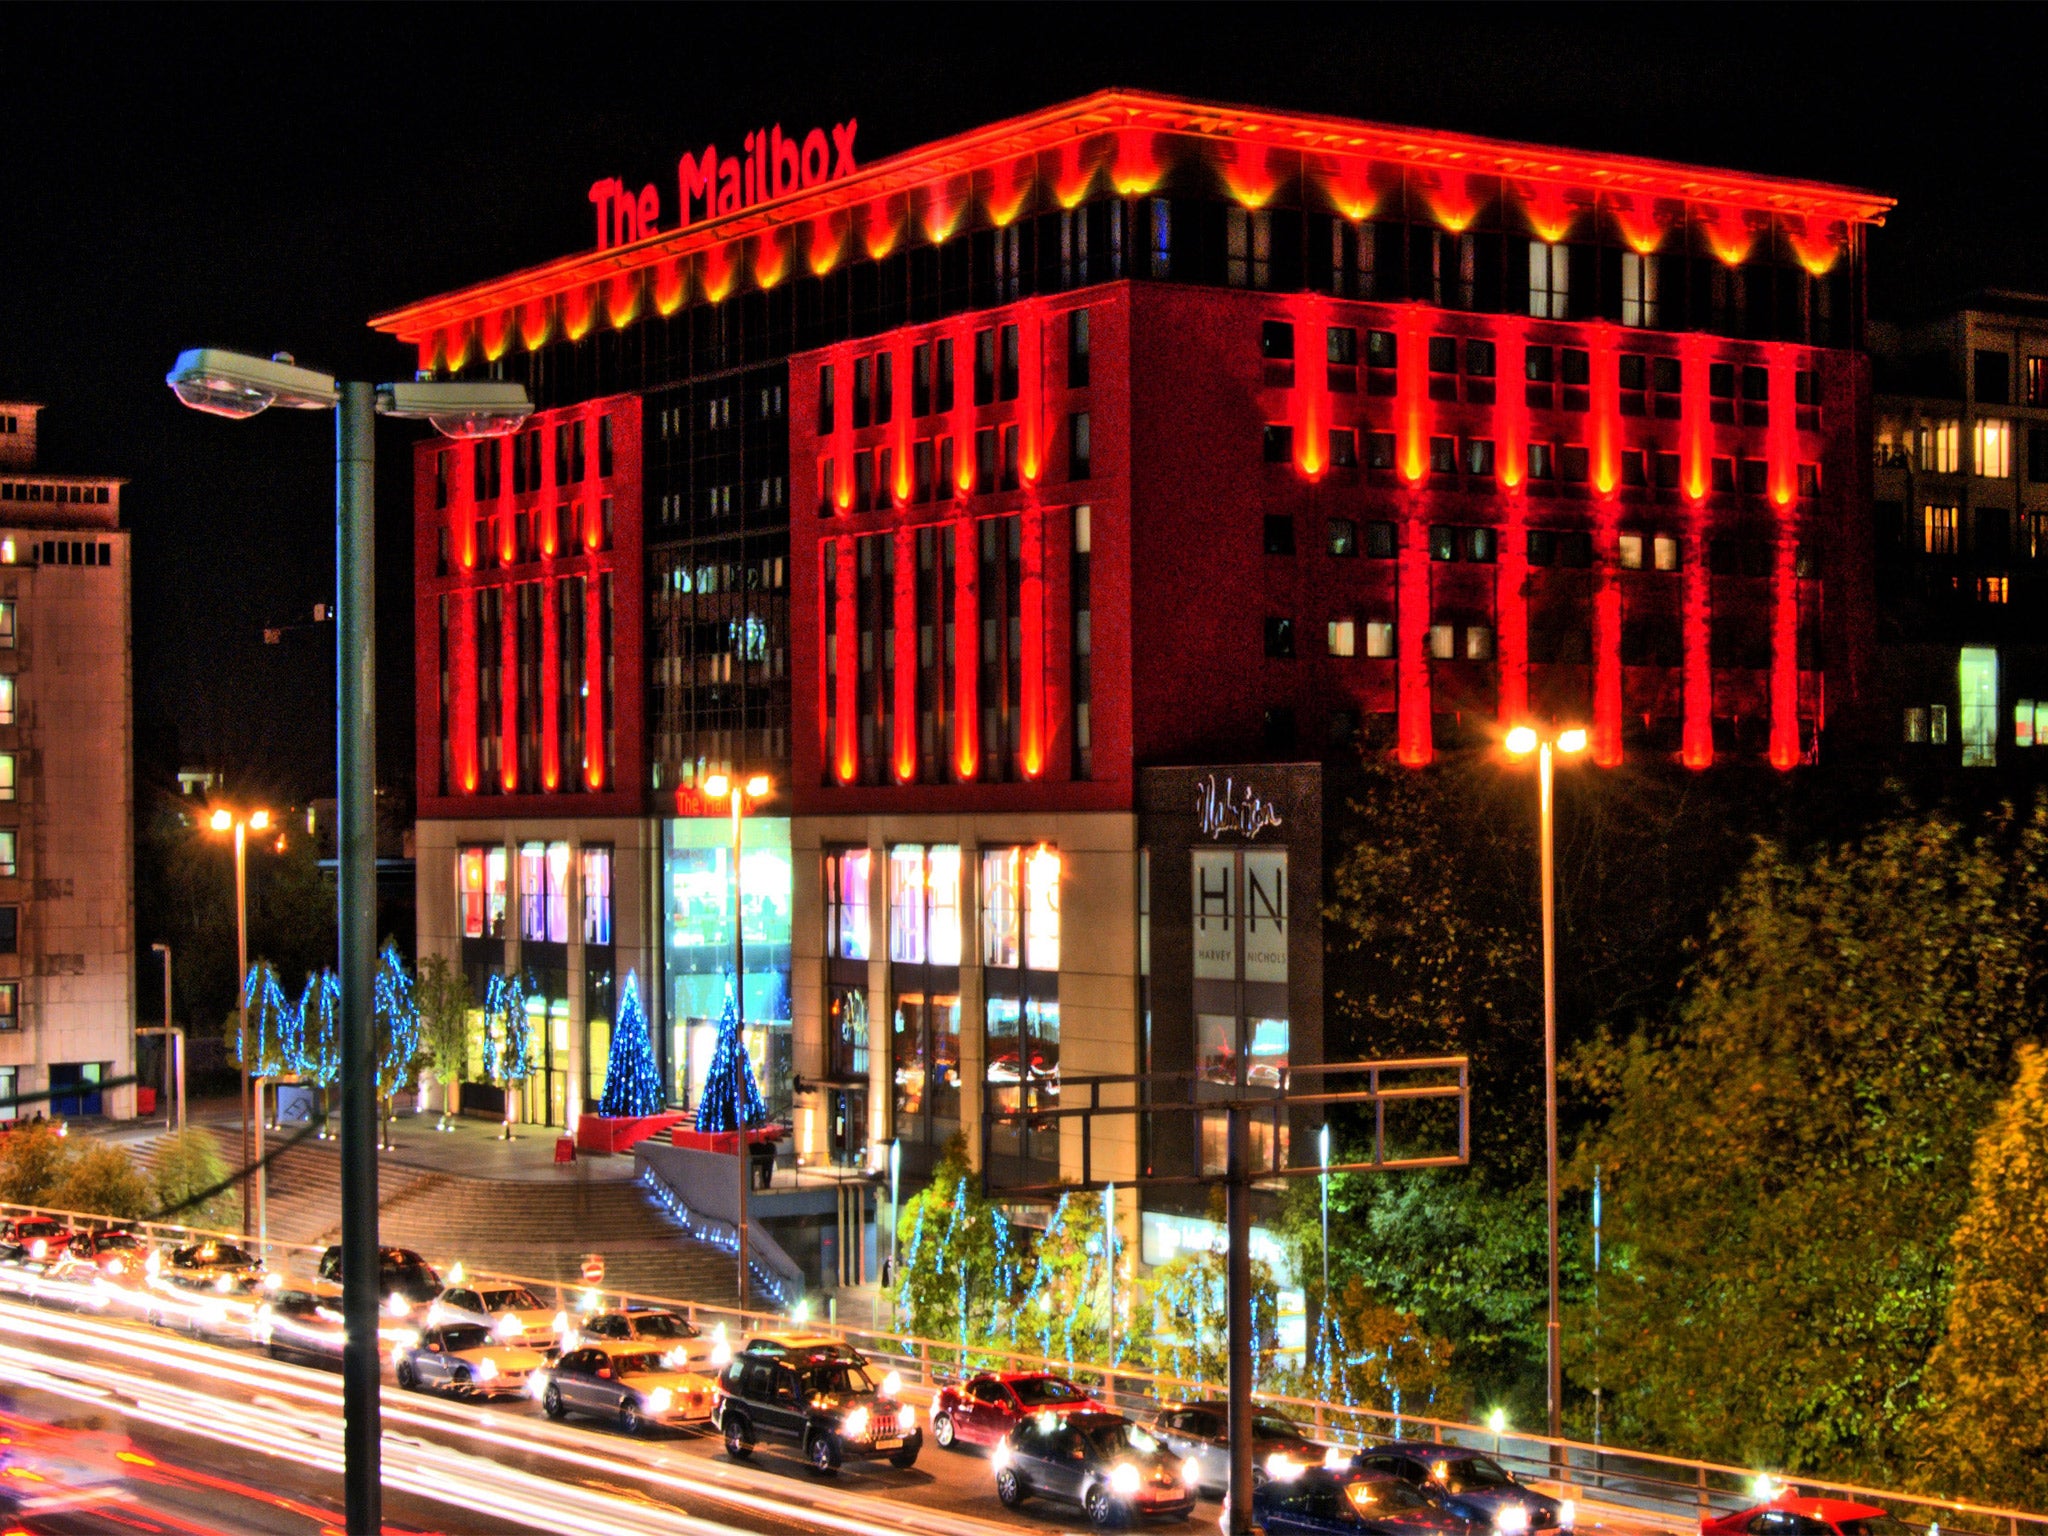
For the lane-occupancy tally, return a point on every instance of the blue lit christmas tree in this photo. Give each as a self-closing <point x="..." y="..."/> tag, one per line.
<point x="729" y="1085"/>
<point x="632" y="1081"/>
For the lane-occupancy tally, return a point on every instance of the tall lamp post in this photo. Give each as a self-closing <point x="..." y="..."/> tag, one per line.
<point x="241" y="823"/>
<point x="739" y="791"/>
<point x="237" y="385"/>
<point x="1521" y="741"/>
<point x="172" y="1042"/>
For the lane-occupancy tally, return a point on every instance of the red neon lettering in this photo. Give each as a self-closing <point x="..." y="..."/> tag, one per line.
<point x="601" y="199"/>
<point x="697" y="181"/>
<point x="649" y="211"/>
<point x="784" y="152"/>
<point x="817" y="161"/>
<point x="771" y="164"/>
<point x="842" y="139"/>
<point x="729" y="188"/>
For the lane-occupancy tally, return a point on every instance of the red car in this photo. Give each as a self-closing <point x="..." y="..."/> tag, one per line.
<point x="1786" y="1514"/>
<point x="985" y="1408"/>
<point x="44" y="1237"/>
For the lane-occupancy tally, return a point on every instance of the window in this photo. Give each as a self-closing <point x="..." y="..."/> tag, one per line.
<point x="1380" y="543"/>
<point x="6" y="698"/>
<point x="1279" y="445"/>
<point x="1078" y="446"/>
<point x="10" y="930"/>
<point x="1443" y="455"/>
<point x="1916" y="724"/>
<point x="1991" y="447"/>
<point x="6" y="626"/>
<point x="1479" y="359"/>
<point x="1664" y="549"/>
<point x="1542" y="461"/>
<point x="1279" y="534"/>
<point x="2023" y="723"/>
<point x="1379" y="640"/>
<point x="1572" y="463"/>
<point x="1549" y="281"/>
<point x="7" y="853"/>
<point x="1638" y="290"/>
<point x="1341" y="342"/>
<point x="1443" y="542"/>
<point x="1992" y="589"/>
<point x="1343" y="448"/>
<point x="1012" y="353"/>
<point x="1478" y="642"/>
<point x="1478" y="456"/>
<point x="10" y="1019"/>
<point x="1628" y="551"/>
<point x="1279" y="639"/>
<point x="924" y="904"/>
<point x="1977" y="676"/>
<point x="1343" y="642"/>
<point x="1248" y="238"/>
<point x="1379" y="450"/>
<point x="7" y="786"/>
<point x="1276" y="341"/>
<point x="846" y="903"/>
<point x="1078" y="354"/>
<point x="1938" y="529"/>
<point x="2037" y="381"/>
<point x="1937" y="724"/>
<point x="1382" y="348"/>
<point x="1343" y="535"/>
<point x="1443" y="641"/>
<point x="2037" y="453"/>
<point x="1162" y="236"/>
<point x="1940" y="445"/>
<point x="596" y="876"/>
<point x="1994" y="378"/>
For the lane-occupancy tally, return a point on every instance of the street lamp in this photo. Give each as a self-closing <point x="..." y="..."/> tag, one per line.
<point x="241" y="824"/>
<point x="237" y="385"/>
<point x="1570" y="742"/>
<point x="738" y="791"/>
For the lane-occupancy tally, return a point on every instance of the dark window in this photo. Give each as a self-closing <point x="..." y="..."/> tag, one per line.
<point x="1381" y="349"/>
<point x="825" y="400"/>
<point x="1542" y="547"/>
<point x="1632" y="370"/>
<point x="1571" y="462"/>
<point x="1480" y="545"/>
<point x="1479" y="359"/>
<point x="1664" y="375"/>
<point x="1755" y="476"/>
<point x="1077" y="349"/>
<point x="1443" y="354"/>
<point x="1279" y="643"/>
<point x="1279" y="534"/>
<point x="1536" y="363"/>
<point x="1577" y="366"/>
<point x="1379" y="449"/>
<point x="1756" y="382"/>
<point x="1575" y="550"/>
<point x="1443" y="543"/>
<point x="1632" y="466"/>
<point x="1343" y="537"/>
<point x="1667" y="471"/>
<point x="1012" y="353"/>
<point x="10" y="925"/>
<point x="1079" y="447"/>
<point x="1276" y="340"/>
<point x="1721" y="380"/>
<point x="1443" y="455"/>
<point x="2037" y="453"/>
<point x="1994" y="378"/>
<point x="1724" y="474"/>
<point x="1380" y="543"/>
<point x="1280" y="730"/>
<point x="1343" y="345"/>
<point x="1478" y="456"/>
<point x="1343" y="448"/>
<point x="1279" y="445"/>
<point x="921" y="379"/>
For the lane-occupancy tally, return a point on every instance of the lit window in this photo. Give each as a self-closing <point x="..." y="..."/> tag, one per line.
<point x="6" y="626"/>
<point x="6" y="775"/>
<point x="1991" y="448"/>
<point x="1628" y="551"/>
<point x="1977" y="677"/>
<point x="1992" y="589"/>
<point x="6" y="851"/>
<point x="1937" y="724"/>
<point x="2037" y="381"/>
<point x="1343" y="637"/>
<point x="6" y="551"/>
<point x="1478" y="642"/>
<point x="1549" y="281"/>
<point x="1664" y="548"/>
<point x="597" y="894"/>
<point x="1941" y="447"/>
<point x="1638" y="290"/>
<point x="906" y="904"/>
<point x="846" y="899"/>
<point x="2023" y="723"/>
<point x="1042" y="909"/>
<point x="1938" y="529"/>
<point x="1916" y="724"/>
<point x="1248" y="236"/>
<point x="10" y="1018"/>
<point x="1443" y="641"/>
<point x="6" y="699"/>
<point x="1000" y="918"/>
<point x="1379" y="640"/>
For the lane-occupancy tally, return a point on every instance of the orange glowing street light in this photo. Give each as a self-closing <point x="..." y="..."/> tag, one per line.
<point x="242" y="824"/>
<point x="720" y="786"/>
<point x="1569" y="742"/>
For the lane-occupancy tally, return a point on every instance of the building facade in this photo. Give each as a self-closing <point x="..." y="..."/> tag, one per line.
<point x="1040" y="508"/>
<point x="67" y="860"/>
<point x="1961" y="509"/>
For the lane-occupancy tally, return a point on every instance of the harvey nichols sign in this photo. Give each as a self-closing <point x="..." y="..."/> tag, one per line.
<point x="711" y="185"/>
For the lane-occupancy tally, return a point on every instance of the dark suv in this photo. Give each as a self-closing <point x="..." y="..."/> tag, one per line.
<point x="814" y="1393"/>
<point x="401" y="1273"/>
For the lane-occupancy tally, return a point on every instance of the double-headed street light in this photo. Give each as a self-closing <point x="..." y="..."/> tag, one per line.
<point x="1569" y="742"/>
<point x="242" y="823"/>
<point x="739" y="791"/>
<point x="237" y="385"/>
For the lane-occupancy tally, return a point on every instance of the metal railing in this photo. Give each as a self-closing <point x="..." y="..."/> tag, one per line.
<point x="1647" y="1487"/>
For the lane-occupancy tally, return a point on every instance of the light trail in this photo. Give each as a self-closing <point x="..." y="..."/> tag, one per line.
<point x="282" y="1399"/>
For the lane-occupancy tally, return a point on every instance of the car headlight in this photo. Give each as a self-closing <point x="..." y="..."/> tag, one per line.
<point x="400" y="1307"/>
<point x="906" y="1418"/>
<point x="561" y="1322"/>
<point x="660" y="1400"/>
<point x="509" y="1327"/>
<point x="1567" y="1515"/>
<point x="999" y="1458"/>
<point x="1335" y="1458"/>
<point x="892" y="1384"/>
<point x="537" y="1385"/>
<point x="1191" y="1472"/>
<point x="1123" y="1479"/>
<point x="1512" y="1521"/>
<point x="855" y="1424"/>
<point x="1282" y="1467"/>
<point x="487" y="1369"/>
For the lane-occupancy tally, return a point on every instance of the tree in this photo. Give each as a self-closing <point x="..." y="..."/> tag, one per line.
<point x="189" y="1165"/>
<point x="956" y="1275"/>
<point x="100" y="1179"/>
<point x="1786" y="1166"/>
<point x="508" y="1036"/>
<point x="1988" y="1439"/>
<point x="632" y="1079"/>
<point x="443" y="996"/>
<point x="731" y="1098"/>
<point x="33" y="1161"/>
<point x="395" y="1016"/>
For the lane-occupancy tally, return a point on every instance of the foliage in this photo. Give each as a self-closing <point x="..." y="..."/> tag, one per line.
<point x="1189" y="1297"/>
<point x="1787" y="1168"/>
<point x="508" y="1033"/>
<point x="101" y="1179"/>
<point x="1987" y="1439"/>
<point x="956" y="1257"/>
<point x="443" y="995"/>
<point x="632" y="1078"/>
<point x="731" y="1098"/>
<point x="33" y="1160"/>
<point x="1063" y="1313"/>
<point x="273" y="1040"/>
<point x="187" y="1165"/>
<point x="395" y="1017"/>
<point x="1381" y="1357"/>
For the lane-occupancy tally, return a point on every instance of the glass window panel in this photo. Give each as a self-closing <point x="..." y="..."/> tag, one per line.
<point x="469" y="887"/>
<point x="1215" y="914"/>
<point x="1265" y="914"/>
<point x="496" y="867"/>
<point x="1978" y="676"/>
<point x="1216" y="1046"/>
<point x="942" y="893"/>
<point x="854" y="867"/>
<point x="908" y="1058"/>
<point x="597" y="895"/>
<point x="558" y="893"/>
<point x="1000" y="934"/>
<point x="1042" y="909"/>
<point x="942" y="1015"/>
<point x="906" y="904"/>
<point x="533" y="891"/>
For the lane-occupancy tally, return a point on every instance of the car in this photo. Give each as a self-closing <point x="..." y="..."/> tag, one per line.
<point x="301" y="1321"/>
<point x="636" y="1386"/>
<point x="43" y="1237"/>
<point x="1786" y="1514"/>
<point x="631" y="1325"/>
<point x="813" y="1392"/>
<point x="512" y="1313"/>
<point x="95" y="1269"/>
<point x="1200" y="1431"/>
<point x="985" y="1408"/>
<point x="1113" y="1469"/>
<point x="1319" y="1500"/>
<point x="1468" y="1484"/>
<point x="405" y="1280"/>
<point x="464" y="1359"/>
<point x="218" y="1305"/>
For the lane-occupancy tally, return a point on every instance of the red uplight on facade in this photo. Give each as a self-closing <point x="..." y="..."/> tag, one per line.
<point x="904" y="598"/>
<point x="1550" y="210"/>
<point x="1730" y="235"/>
<point x="881" y="225"/>
<point x="1639" y="223"/>
<point x="579" y="305"/>
<point x="1311" y="393"/>
<point x="497" y="328"/>
<point x="1137" y="169"/>
<point x="1012" y="183"/>
<point x="966" y="608"/>
<point x="1411" y="629"/>
<point x="1249" y="175"/>
<point x="717" y="267"/>
<point x="1451" y="201"/>
<point x="1031" y="600"/>
<point x="1350" y="187"/>
<point x="771" y="258"/>
<point x="536" y="317"/>
<point x="622" y="299"/>
<point x="827" y="240"/>
<point x="1818" y="243"/>
<point x="1411" y="385"/>
<point x="1076" y="175"/>
<point x="670" y="286"/>
<point x="1606" y="401"/>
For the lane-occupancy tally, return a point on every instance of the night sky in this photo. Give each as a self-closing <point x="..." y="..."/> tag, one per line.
<point x="267" y="178"/>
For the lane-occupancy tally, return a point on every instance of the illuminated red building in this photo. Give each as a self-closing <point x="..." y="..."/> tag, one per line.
<point x="1003" y="495"/>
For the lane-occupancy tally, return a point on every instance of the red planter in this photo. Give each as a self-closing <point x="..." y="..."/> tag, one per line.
<point x="601" y="1135"/>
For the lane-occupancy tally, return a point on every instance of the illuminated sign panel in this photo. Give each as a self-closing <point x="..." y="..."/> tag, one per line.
<point x="710" y="185"/>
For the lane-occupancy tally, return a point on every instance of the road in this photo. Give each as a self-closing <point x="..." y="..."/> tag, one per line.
<point x="222" y="1439"/>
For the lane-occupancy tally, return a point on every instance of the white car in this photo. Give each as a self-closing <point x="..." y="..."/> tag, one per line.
<point x="510" y="1313"/>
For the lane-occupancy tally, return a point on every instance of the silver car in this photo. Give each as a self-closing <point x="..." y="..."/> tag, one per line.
<point x="1200" y="1432"/>
<point x="464" y="1359"/>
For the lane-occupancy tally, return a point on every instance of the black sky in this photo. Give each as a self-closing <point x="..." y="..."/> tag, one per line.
<point x="267" y="178"/>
